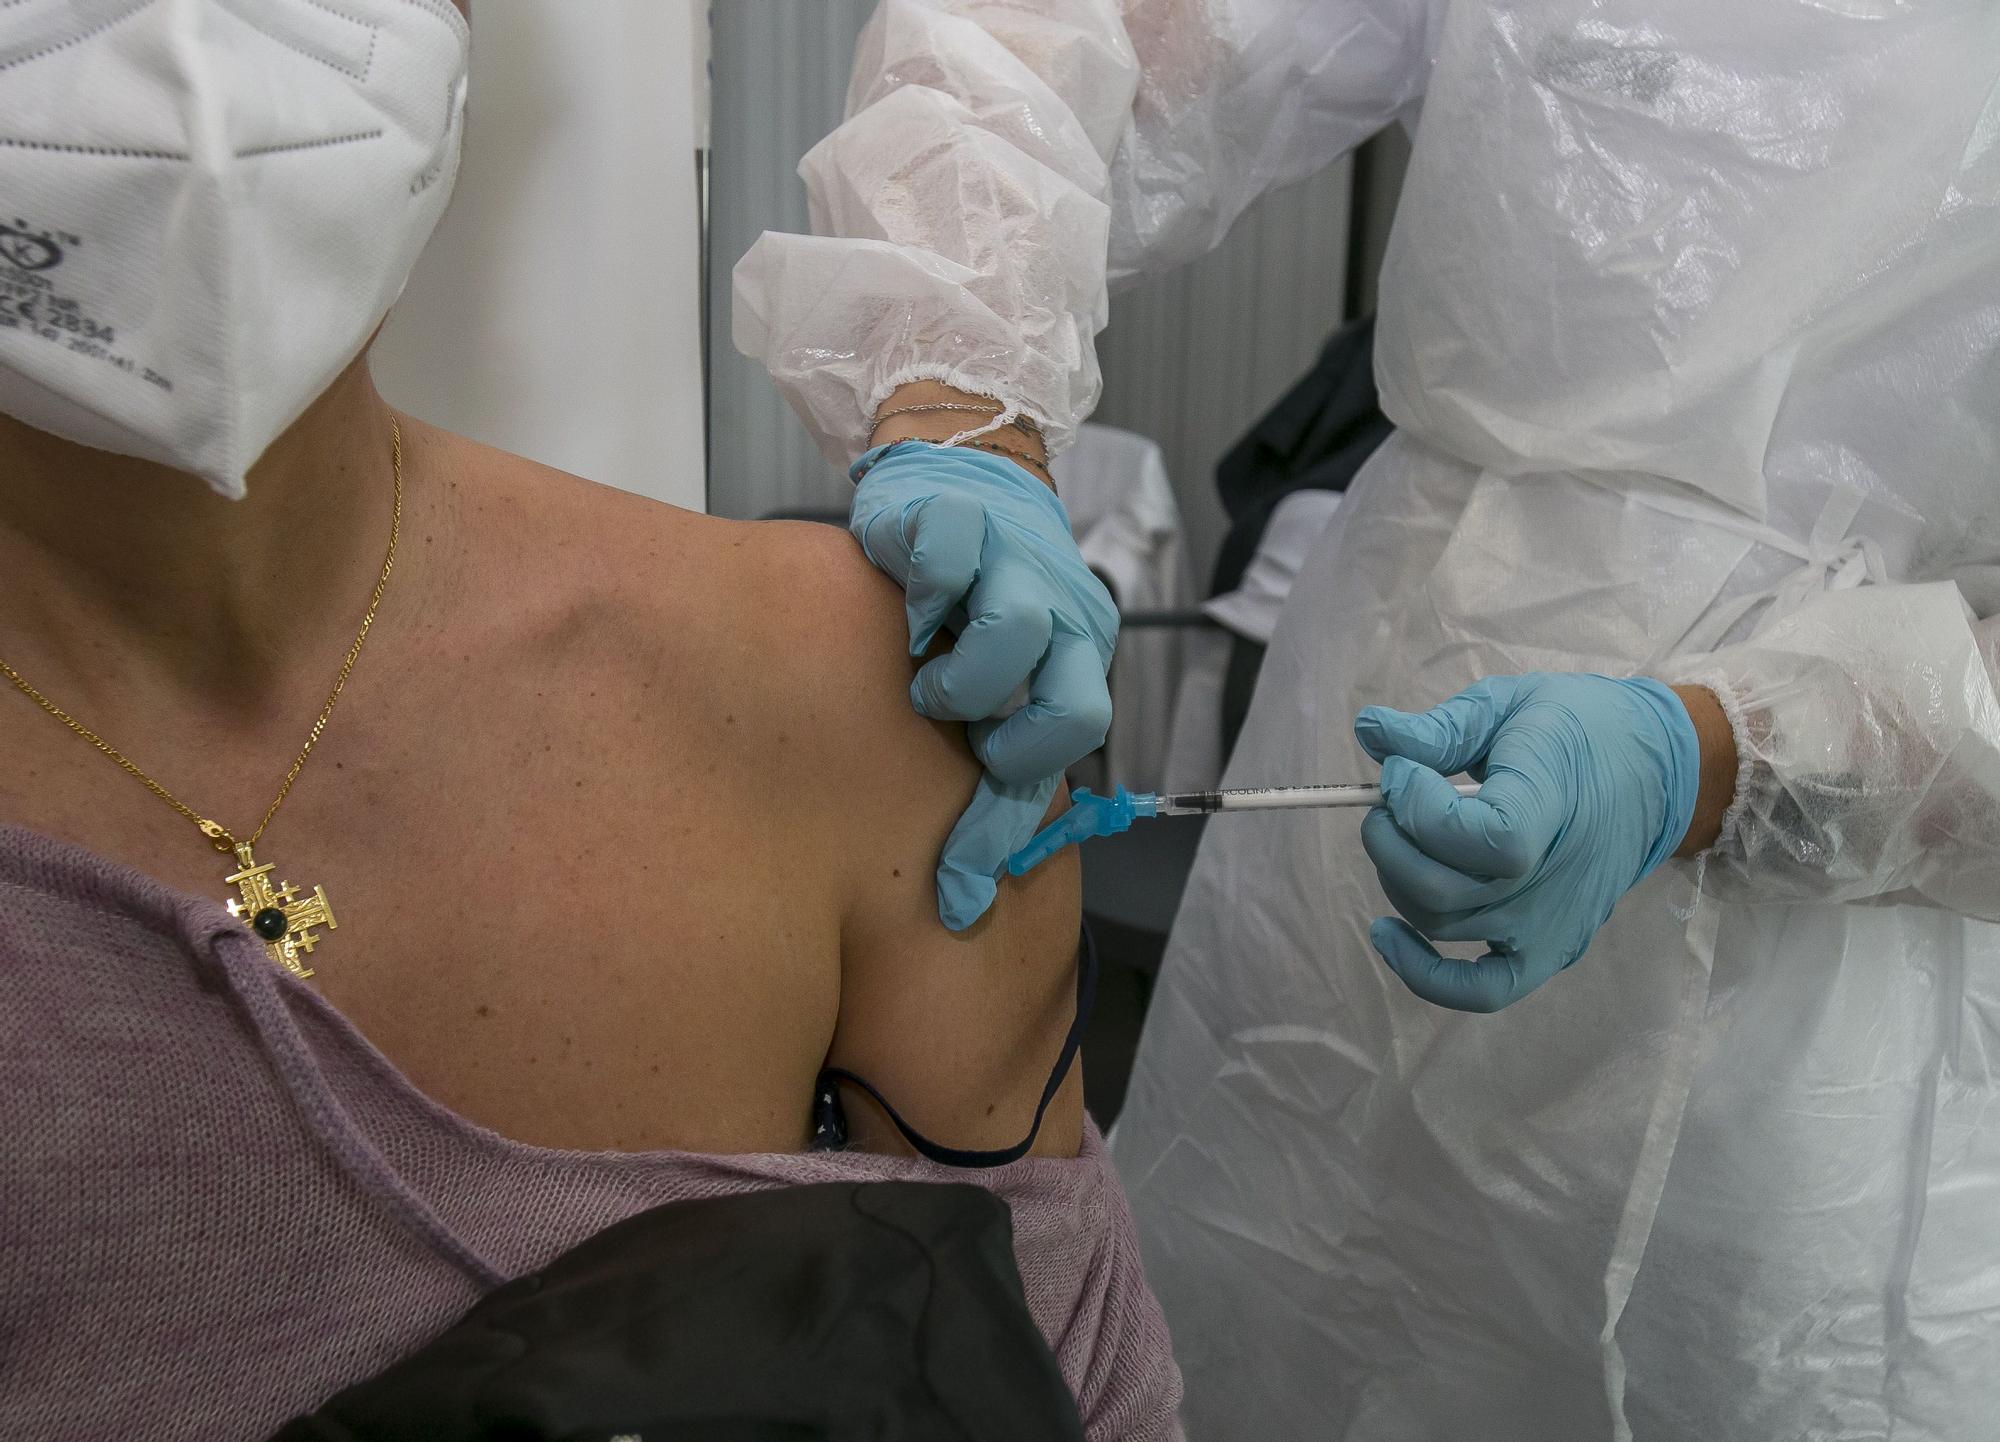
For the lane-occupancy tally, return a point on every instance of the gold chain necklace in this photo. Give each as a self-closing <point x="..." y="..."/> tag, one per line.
<point x="287" y="922"/>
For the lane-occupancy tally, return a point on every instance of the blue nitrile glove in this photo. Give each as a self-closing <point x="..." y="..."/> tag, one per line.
<point x="982" y="547"/>
<point x="1589" y="783"/>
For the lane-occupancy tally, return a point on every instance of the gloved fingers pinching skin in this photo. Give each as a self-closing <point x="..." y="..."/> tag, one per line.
<point x="1004" y="638"/>
<point x="1067" y="715"/>
<point x="1001" y="819"/>
<point x="931" y="547"/>
<point x="983" y="548"/>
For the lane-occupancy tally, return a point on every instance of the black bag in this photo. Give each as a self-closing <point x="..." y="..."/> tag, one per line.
<point x="888" y="1311"/>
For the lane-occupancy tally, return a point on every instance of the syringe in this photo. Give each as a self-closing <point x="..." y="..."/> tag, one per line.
<point x="1093" y="815"/>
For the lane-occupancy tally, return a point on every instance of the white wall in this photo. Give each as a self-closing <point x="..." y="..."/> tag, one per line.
<point x="557" y="311"/>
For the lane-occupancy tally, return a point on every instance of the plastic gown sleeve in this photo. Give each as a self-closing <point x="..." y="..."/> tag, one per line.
<point x="1003" y="161"/>
<point x="1868" y="736"/>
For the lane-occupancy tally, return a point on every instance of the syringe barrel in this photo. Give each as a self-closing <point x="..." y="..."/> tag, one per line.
<point x="1281" y="798"/>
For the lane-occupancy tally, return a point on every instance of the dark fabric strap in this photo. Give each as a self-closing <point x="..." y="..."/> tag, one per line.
<point x="830" y="1130"/>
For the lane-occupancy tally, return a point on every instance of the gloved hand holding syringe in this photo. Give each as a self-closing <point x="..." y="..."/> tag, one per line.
<point x="1093" y="815"/>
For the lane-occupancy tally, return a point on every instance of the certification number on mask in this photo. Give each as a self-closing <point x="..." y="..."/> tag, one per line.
<point x="30" y="300"/>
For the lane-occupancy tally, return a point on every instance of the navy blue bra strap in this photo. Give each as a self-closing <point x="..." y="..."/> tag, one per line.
<point x="1086" y="999"/>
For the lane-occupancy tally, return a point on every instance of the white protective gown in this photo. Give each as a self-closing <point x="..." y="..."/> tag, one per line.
<point x="1691" y="325"/>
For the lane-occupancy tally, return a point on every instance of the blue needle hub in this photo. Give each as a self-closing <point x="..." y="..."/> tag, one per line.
<point x="1089" y="815"/>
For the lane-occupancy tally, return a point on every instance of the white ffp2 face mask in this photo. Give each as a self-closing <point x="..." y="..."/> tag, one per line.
<point x="207" y="206"/>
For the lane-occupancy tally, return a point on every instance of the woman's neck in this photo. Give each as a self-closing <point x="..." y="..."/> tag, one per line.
<point x="118" y="574"/>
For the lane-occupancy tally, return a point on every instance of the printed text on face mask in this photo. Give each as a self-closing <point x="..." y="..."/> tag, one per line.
<point x="30" y="302"/>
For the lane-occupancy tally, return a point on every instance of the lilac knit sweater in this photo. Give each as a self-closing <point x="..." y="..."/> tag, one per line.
<point x="219" y="1204"/>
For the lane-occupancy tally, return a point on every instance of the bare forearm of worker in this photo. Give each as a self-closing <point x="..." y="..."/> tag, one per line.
<point x="933" y="411"/>
<point x="1718" y="768"/>
<point x="1867" y="732"/>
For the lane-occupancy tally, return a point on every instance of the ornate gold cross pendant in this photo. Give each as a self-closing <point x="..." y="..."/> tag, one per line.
<point x="283" y="920"/>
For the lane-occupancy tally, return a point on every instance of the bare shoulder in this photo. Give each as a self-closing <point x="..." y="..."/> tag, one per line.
<point x="787" y="614"/>
<point x="959" y="1030"/>
<point x="798" y="592"/>
<point x="783" y="627"/>
<point x="781" y="664"/>
<point x="790" y="626"/>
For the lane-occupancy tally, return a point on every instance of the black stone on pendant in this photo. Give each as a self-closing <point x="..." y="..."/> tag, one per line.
<point x="270" y="923"/>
